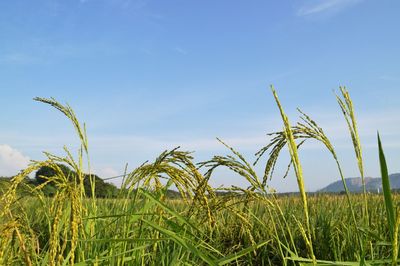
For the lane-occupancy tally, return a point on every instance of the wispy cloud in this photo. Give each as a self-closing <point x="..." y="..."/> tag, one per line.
<point x="325" y="6"/>
<point x="251" y="139"/>
<point x="39" y="52"/>
<point x="158" y="144"/>
<point x="134" y="4"/>
<point x="19" y="59"/>
<point x="390" y="78"/>
<point x="180" y="50"/>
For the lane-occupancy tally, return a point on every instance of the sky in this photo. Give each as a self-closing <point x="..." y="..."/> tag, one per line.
<point x="146" y="76"/>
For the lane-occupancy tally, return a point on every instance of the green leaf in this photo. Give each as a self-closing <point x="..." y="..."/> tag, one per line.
<point x="91" y="261"/>
<point x="242" y="253"/>
<point x="390" y="212"/>
<point x="182" y="242"/>
<point x="176" y="215"/>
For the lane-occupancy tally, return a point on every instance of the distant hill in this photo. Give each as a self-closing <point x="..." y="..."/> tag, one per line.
<point x="355" y="184"/>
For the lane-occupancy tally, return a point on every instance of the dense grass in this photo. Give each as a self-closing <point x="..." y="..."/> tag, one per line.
<point x="252" y="226"/>
<point x="132" y="231"/>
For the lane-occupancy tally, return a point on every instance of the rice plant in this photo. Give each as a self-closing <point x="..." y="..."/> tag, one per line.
<point x="203" y="225"/>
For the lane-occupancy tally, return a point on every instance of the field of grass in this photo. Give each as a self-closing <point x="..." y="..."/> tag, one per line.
<point x="252" y="226"/>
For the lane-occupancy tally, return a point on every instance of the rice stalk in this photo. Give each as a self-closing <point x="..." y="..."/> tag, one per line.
<point x="70" y="114"/>
<point x="287" y="131"/>
<point x="310" y="130"/>
<point x="395" y="243"/>
<point x="243" y="226"/>
<point x="303" y="131"/>
<point x="346" y="105"/>
<point x="238" y="164"/>
<point x="70" y="188"/>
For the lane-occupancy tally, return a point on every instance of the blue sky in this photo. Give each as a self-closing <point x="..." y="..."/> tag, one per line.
<point x="151" y="75"/>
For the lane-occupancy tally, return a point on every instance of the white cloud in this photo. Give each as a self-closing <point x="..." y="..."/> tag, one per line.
<point x="324" y="6"/>
<point x="109" y="174"/>
<point x="106" y="172"/>
<point x="11" y="160"/>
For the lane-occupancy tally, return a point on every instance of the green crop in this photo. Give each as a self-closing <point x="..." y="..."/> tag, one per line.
<point x="204" y="225"/>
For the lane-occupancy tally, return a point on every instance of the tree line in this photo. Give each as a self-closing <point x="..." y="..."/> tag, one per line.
<point x="102" y="189"/>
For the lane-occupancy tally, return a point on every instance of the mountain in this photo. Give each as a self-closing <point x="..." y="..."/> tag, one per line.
<point x="354" y="184"/>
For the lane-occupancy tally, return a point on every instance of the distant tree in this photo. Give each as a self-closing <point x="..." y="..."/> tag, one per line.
<point x="102" y="189"/>
<point x="24" y="188"/>
<point x="46" y="172"/>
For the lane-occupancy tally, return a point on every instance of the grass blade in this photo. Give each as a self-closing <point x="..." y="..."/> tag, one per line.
<point x="182" y="242"/>
<point x="390" y="212"/>
<point x="242" y="253"/>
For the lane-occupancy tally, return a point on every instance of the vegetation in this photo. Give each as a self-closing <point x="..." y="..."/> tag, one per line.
<point x="102" y="189"/>
<point x="140" y="224"/>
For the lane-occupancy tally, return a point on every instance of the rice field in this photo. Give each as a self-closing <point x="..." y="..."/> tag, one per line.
<point x="243" y="226"/>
